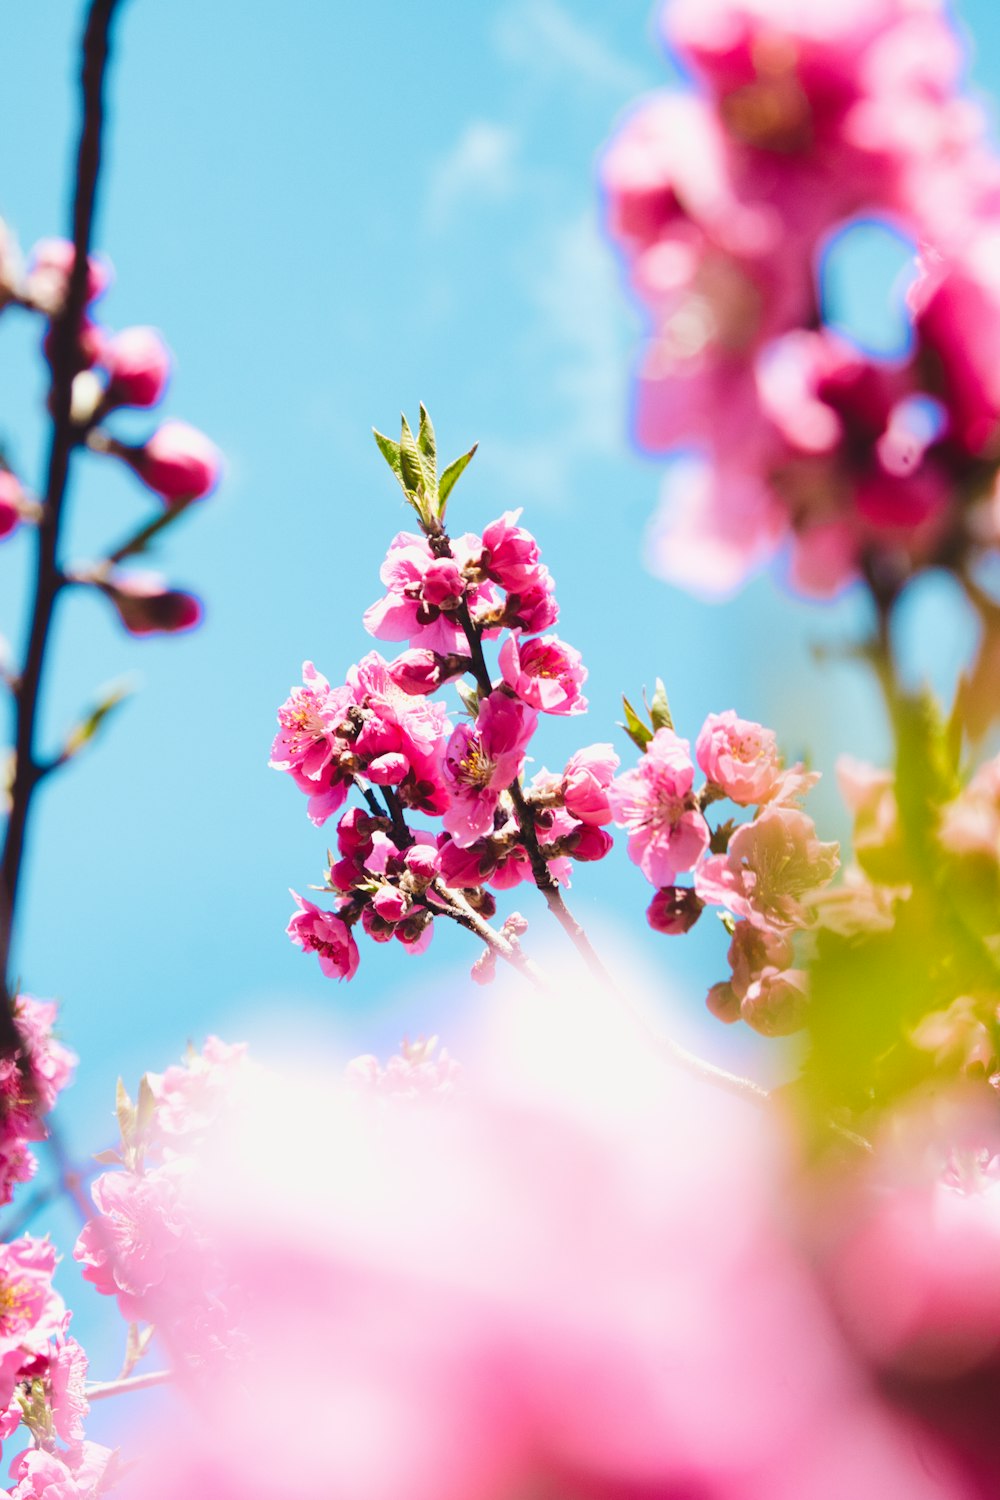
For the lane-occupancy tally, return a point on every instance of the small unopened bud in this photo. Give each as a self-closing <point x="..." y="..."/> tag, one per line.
<point x="11" y="502"/>
<point x="146" y="606"/>
<point x="138" y="365"/>
<point x="422" y="862"/>
<point x="722" y="1002"/>
<point x="484" y="969"/>
<point x="390" y="903"/>
<point x="49" y="272"/>
<point x="417" y="672"/>
<point x="514" y="926"/>
<point x="777" y="1004"/>
<point x="674" y="910"/>
<point x="589" y="843"/>
<point x="178" y="463"/>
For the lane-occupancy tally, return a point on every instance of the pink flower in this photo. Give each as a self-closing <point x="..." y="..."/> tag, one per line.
<point x="146" y="605"/>
<point x="310" y="719"/>
<point x="49" y="1067"/>
<point x="130" y="1246"/>
<point x="190" y="1098"/>
<point x="138" y="365"/>
<point x="49" y="272"/>
<point x="739" y="756"/>
<point x="82" y="1473"/>
<point x="667" y="832"/>
<point x="544" y="673"/>
<point x="481" y="760"/>
<point x="424" y="591"/>
<point x="400" y="738"/>
<point x="585" y="783"/>
<point x="66" y="1376"/>
<point x="510" y="554"/>
<point x="771" y="868"/>
<point x="326" y="935"/>
<point x="31" y="1311"/>
<point x="178" y="463"/>
<point x="421" y="672"/>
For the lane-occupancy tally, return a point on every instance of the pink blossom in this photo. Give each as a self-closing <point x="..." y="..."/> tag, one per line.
<point x="771" y="868"/>
<point x="190" y="1098"/>
<point x="309" y="722"/>
<point x="66" y="1376"/>
<point x="667" y="831"/>
<point x="587" y="843"/>
<point x="481" y="760"/>
<point x="544" y="673"/>
<point x="146" y="605"/>
<point x="777" y="1003"/>
<point x="178" y="463"/>
<point x="138" y="365"/>
<point x="739" y="756"/>
<point x="31" y="1311"/>
<point x="400" y="738"/>
<point x="415" y="1072"/>
<point x="131" y="1245"/>
<point x="467" y="865"/>
<point x="510" y="554"/>
<point x="30" y="1082"/>
<point x="421" y="672"/>
<point x="83" y="1473"/>
<point x="532" y="608"/>
<point x="585" y="783"/>
<point x="424" y="591"/>
<point x="326" y="935"/>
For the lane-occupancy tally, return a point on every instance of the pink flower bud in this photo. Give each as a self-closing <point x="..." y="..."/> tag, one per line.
<point x="90" y="344"/>
<point x="354" y="832"/>
<point x="11" y="498"/>
<point x="147" y="607"/>
<point x="178" y="463"/>
<point x="377" y="928"/>
<point x="674" y="910"/>
<point x="722" y="1002"/>
<point x="590" y="843"/>
<point x="466" y="867"/>
<point x="443" y="585"/>
<point x="138" y="365"/>
<point x="585" y="783"/>
<point x="515" y="925"/>
<point x="390" y="904"/>
<point x="484" y="970"/>
<point x="50" y="268"/>
<point x="510" y="554"/>
<point x="422" y="861"/>
<point x="417" y="672"/>
<point x="776" y="1004"/>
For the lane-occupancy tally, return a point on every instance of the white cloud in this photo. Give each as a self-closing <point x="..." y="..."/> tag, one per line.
<point x="543" y="35"/>
<point x="481" y="162"/>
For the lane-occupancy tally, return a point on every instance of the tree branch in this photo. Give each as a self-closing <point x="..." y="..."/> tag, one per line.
<point x="48" y="576"/>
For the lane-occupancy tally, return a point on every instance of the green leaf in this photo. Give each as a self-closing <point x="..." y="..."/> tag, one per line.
<point x="659" y="709"/>
<point x="728" y="921"/>
<point x="112" y="697"/>
<point x="469" y="696"/>
<point x="410" y="462"/>
<point x="125" y="1110"/>
<point x="636" y="730"/>
<point x="450" y="478"/>
<point x="427" y="444"/>
<point x="390" y="452"/>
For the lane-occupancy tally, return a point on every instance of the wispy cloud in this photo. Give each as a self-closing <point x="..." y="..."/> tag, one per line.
<point x="543" y="35"/>
<point x="581" y="337"/>
<point x="482" y="162"/>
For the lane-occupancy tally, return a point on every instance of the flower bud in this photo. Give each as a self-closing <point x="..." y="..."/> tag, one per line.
<point x="722" y="1002"/>
<point x="589" y="843"/>
<point x="49" y="272"/>
<point x="147" y="607"/>
<point x="674" y="910"/>
<point x="419" y="672"/>
<point x="422" y="862"/>
<point x="11" y="499"/>
<point x="178" y="463"/>
<point x="138" y="365"/>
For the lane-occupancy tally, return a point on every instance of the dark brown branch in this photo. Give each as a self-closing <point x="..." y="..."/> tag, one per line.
<point x="48" y="578"/>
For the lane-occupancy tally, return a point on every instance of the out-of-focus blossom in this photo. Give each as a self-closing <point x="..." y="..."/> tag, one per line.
<point x="770" y="869"/>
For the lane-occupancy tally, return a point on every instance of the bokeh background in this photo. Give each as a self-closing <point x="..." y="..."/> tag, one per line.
<point x="332" y="211"/>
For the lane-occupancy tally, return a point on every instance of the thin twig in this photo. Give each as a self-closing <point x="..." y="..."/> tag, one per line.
<point x="100" y="1390"/>
<point x="466" y="916"/>
<point x="48" y="578"/>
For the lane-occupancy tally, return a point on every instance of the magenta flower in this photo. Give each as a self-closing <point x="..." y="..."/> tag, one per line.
<point x="510" y="554"/>
<point x="401" y="738"/>
<point x="82" y="1472"/>
<point x="481" y="760"/>
<point x="585" y="783"/>
<point x="667" y="831"/>
<point x="11" y="503"/>
<point x="545" y="673"/>
<point x="771" y="868"/>
<point x="178" y="463"/>
<point x="326" y="935"/>
<point x="31" y="1311"/>
<point x="739" y="756"/>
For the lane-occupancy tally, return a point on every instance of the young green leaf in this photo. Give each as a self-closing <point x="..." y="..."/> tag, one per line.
<point x="410" y="463"/>
<point x="450" y="478"/>
<point x="659" y="709"/>
<point x="85" y="731"/>
<point x="390" y="452"/>
<point x="427" y="444"/>
<point x="638" y="732"/>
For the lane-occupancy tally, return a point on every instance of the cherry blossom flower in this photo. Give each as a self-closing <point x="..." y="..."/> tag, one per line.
<point x="739" y="756"/>
<point x="326" y="935"/>
<point x="481" y="760"/>
<point x="770" y="869"/>
<point x="585" y="781"/>
<point x="544" y="673"/>
<point x="667" y="831"/>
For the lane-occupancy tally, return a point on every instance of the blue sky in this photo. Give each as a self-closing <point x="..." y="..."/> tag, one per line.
<point x="332" y="212"/>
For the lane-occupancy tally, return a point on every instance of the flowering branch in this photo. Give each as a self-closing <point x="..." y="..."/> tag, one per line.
<point x="100" y="1390"/>
<point x="28" y="771"/>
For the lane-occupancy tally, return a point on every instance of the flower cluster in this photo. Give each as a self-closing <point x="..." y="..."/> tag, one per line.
<point x="383" y="734"/>
<point x="42" y="1376"/>
<point x="30" y="1081"/>
<point x="763" y="874"/>
<point x="413" y="1073"/>
<point x="143" y="1246"/>
<point x="723" y="201"/>
<point x="111" y="371"/>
